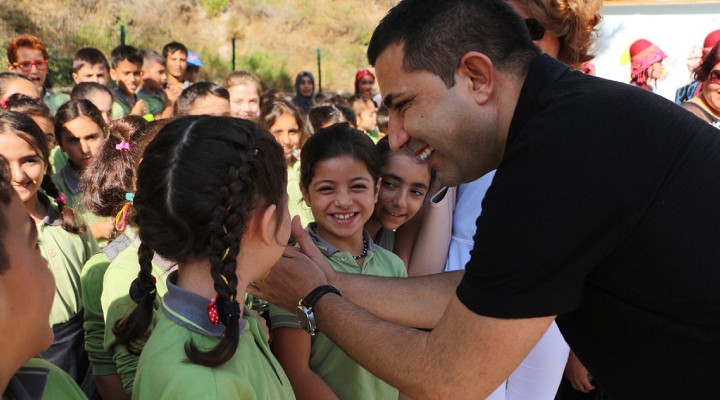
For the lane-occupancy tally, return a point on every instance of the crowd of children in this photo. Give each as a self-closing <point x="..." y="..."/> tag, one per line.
<point x="152" y="241"/>
<point x="155" y="203"/>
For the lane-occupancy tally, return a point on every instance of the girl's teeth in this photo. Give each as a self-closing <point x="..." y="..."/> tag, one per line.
<point x="344" y="216"/>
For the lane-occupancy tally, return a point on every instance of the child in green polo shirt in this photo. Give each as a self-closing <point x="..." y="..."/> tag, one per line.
<point x="26" y="297"/>
<point x="61" y="241"/>
<point x="108" y="193"/>
<point x="339" y="179"/>
<point x="211" y="198"/>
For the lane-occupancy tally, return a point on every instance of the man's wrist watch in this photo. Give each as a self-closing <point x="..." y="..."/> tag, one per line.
<point x="304" y="312"/>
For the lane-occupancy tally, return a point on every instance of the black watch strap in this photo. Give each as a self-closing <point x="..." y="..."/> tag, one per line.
<point x="315" y="295"/>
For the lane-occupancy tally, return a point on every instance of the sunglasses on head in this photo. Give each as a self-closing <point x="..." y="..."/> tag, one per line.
<point x="537" y="31"/>
<point x="26" y="66"/>
<point x="715" y="77"/>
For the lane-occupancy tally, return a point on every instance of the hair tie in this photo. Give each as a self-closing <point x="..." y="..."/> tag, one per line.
<point x="121" y="217"/>
<point x="123" y="145"/>
<point x="224" y="311"/>
<point x="138" y="290"/>
<point x="130" y="197"/>
<point x="4" y="103"/>
<point x="60" y="199"/>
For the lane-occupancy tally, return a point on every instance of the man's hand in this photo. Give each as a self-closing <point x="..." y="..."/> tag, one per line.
<point x="298" y="272"/>
<point x="577" y="374"/>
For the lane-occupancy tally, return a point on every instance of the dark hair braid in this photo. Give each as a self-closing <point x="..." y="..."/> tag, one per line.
<point x="143" y="292"/>
<point x="229" y="224"/>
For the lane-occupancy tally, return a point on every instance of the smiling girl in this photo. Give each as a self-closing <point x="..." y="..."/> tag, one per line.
<point x="339" y="180"/>
<point x="22" y="143"/>
<point x="403" y="188"/>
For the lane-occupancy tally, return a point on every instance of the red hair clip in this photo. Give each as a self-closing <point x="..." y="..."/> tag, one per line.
<point x="213" y="312"/>
<point x="3" y="103"/>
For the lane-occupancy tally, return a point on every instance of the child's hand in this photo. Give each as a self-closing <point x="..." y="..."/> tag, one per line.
<point x="139" y="108"/>
<point x="172" y="93"/>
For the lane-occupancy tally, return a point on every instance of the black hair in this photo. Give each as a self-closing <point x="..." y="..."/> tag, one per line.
<point x="89" y="56"/>
<point x="29" y="106"/>
<point x="76" y="108"/>
<point x="124" y="52"/>
<point x="172" y="47"/>
<point x="86" y="89"/>
<point x="339" y="140"/>
<point x="435" y="34"/>
<point x="702" y="72"/>
<point x="197" y="91"/>
<point x="26" y="129"/>
<point x="199" y="183"/>
<point x="349" y="114"/>
<point x="325" y="114"/>
<point x="6" y="193"/>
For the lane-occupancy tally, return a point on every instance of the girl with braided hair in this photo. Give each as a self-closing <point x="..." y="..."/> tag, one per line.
<point x="210" y="198"/>
<point x="63" y="242"/>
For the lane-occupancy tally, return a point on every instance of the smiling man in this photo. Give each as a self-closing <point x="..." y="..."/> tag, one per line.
<point x="602" y="215"/>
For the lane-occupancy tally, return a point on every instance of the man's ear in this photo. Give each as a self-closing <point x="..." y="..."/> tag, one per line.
<point x="113" y="74"/>
<point x="11" y="68"/>
<point x="478" y="71"/>
<point x="75" y="77"/>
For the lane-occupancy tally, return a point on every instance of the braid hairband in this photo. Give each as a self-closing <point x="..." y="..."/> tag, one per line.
<point x="120" y="218"/>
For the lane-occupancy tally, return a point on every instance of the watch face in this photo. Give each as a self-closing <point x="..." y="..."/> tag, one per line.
<point x="306" y="318"/>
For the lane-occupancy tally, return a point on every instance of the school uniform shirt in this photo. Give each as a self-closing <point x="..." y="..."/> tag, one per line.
<point x="165" y="372"/>
<point x="122" y="104"/>
<point x="67" y="181"/>
<point x="154" y="102"/>
<point x="54" y="100"/>
<point x="91" y="280"/>
<point x="296" y="204"/>
<point x="116" y="304"/>
<point x="38" y="379"/>
<point x="58" y="159"/>
<point x="66" y="254"/>
<point x="348" y="379"/>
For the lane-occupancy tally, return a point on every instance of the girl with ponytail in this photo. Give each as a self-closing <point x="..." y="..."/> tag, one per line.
<point x="210" y="198"/>
<point x="63" y="242"/>
<point x="109" y="184"/>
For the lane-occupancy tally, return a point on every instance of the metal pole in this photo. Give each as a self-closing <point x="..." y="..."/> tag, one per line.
<point x="319" y="72"/>
<point x="122" y="35"/>
<point x="233" y="53"/>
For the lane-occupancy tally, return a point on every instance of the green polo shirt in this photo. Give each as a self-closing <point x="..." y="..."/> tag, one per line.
<point x="40" y="379"/>
<point x="91" y="279"/>
<point x="54" y="100"/>
<point x="116" y="304"/>
<point x="348" y="379"/>
<point x="66" y="254"/>
<point x="154" y="102"/>
<point x="122" y="104"/>
<point x="296" y="204"/>
<point x="67" y="181"/>
<point x="164" y="371"/>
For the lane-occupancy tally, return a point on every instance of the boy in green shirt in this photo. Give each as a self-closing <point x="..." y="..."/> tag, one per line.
<point x="126" y="72"/>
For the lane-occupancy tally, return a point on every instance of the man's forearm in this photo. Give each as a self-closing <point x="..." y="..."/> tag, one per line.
<point x="417" y="302"/>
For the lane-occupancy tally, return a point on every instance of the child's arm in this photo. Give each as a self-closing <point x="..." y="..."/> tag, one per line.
<point x="172" y="93"/>
<point x="291" y="347"/>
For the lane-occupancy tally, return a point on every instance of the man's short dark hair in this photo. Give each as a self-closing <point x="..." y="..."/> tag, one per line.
<point x="6" y="193"/>
<point x="129" y="53"/>
<point x="173" y="47"/>
<point x="437" y="33"/>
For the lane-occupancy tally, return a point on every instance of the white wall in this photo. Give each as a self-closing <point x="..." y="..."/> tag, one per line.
<point x="674" y="28"/>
